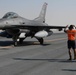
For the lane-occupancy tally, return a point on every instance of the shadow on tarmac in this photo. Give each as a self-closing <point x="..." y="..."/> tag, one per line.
<point x="49" y="60"/>
<point x="72" y="70"/>
<point x="25" y="43"/>
<point x="6" y="43"/>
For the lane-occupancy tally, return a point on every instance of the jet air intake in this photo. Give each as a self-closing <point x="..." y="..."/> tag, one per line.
<point x="42" y="34"/>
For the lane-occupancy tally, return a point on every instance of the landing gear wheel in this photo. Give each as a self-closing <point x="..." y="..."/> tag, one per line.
<point x="15" y="43"/>
<point x="21" y="40"/>
<point x="15" y="40"/>
<point x="41" y="40"/>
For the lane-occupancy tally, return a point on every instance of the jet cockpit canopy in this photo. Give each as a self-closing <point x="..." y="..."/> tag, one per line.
<point x="10" y="15"/>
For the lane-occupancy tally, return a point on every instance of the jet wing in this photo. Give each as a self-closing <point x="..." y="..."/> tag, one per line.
<point x="48" y="27"/>
<point x="31" y="27"/>
<point x="35" y="26"/>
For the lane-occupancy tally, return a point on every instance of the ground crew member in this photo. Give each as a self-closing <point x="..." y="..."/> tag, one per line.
<point x="71" y="33"/>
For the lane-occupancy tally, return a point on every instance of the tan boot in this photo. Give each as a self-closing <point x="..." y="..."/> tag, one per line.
<point x="74" y="57"/>
<point x="70" y="57"/>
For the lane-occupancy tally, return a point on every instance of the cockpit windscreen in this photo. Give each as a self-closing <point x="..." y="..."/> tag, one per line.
<point x="10" y="15"/>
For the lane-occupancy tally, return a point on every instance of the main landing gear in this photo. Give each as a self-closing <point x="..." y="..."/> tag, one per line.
<point x="16" y="40"/>
<point x="40" y="40"/>
<point x="20" y="41"/>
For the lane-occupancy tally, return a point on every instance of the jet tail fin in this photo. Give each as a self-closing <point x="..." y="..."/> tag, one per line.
<point x="42" y="14"/>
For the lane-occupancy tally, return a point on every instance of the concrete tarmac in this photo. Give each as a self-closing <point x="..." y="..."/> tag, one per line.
<point x="31" y="58"/>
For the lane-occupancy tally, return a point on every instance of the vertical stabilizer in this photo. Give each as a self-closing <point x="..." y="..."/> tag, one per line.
<point x="42" y="14"/>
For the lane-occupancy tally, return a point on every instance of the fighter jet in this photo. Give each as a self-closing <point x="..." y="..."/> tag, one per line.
<point x="18" y="28"/>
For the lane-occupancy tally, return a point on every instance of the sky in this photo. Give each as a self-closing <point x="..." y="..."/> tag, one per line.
<point x="59" y="12"/>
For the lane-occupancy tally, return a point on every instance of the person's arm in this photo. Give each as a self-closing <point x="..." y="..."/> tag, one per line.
<point x="65" y="30"/>
<point x="74" y="27"/>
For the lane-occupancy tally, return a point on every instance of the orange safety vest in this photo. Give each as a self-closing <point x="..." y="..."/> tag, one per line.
<point x="71" y="34"/>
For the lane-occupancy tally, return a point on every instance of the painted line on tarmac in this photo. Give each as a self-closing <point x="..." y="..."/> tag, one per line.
<point x="55" y="40"/>
<point x="52" y="40"/>
<point x="6" y="47"/>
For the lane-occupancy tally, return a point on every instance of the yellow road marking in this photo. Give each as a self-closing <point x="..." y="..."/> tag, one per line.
<point x="6" y="47"/>
<point x="55" y="40"/>
<point x="51" y="40"/>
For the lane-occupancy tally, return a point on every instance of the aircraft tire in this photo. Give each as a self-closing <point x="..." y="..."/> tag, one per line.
<point x="15" y="43"/>
<point x="41" y="40"/>
<point x="21" y="40"/>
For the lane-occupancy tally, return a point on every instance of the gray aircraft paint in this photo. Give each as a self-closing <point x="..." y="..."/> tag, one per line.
<point x="14" y="24"/>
